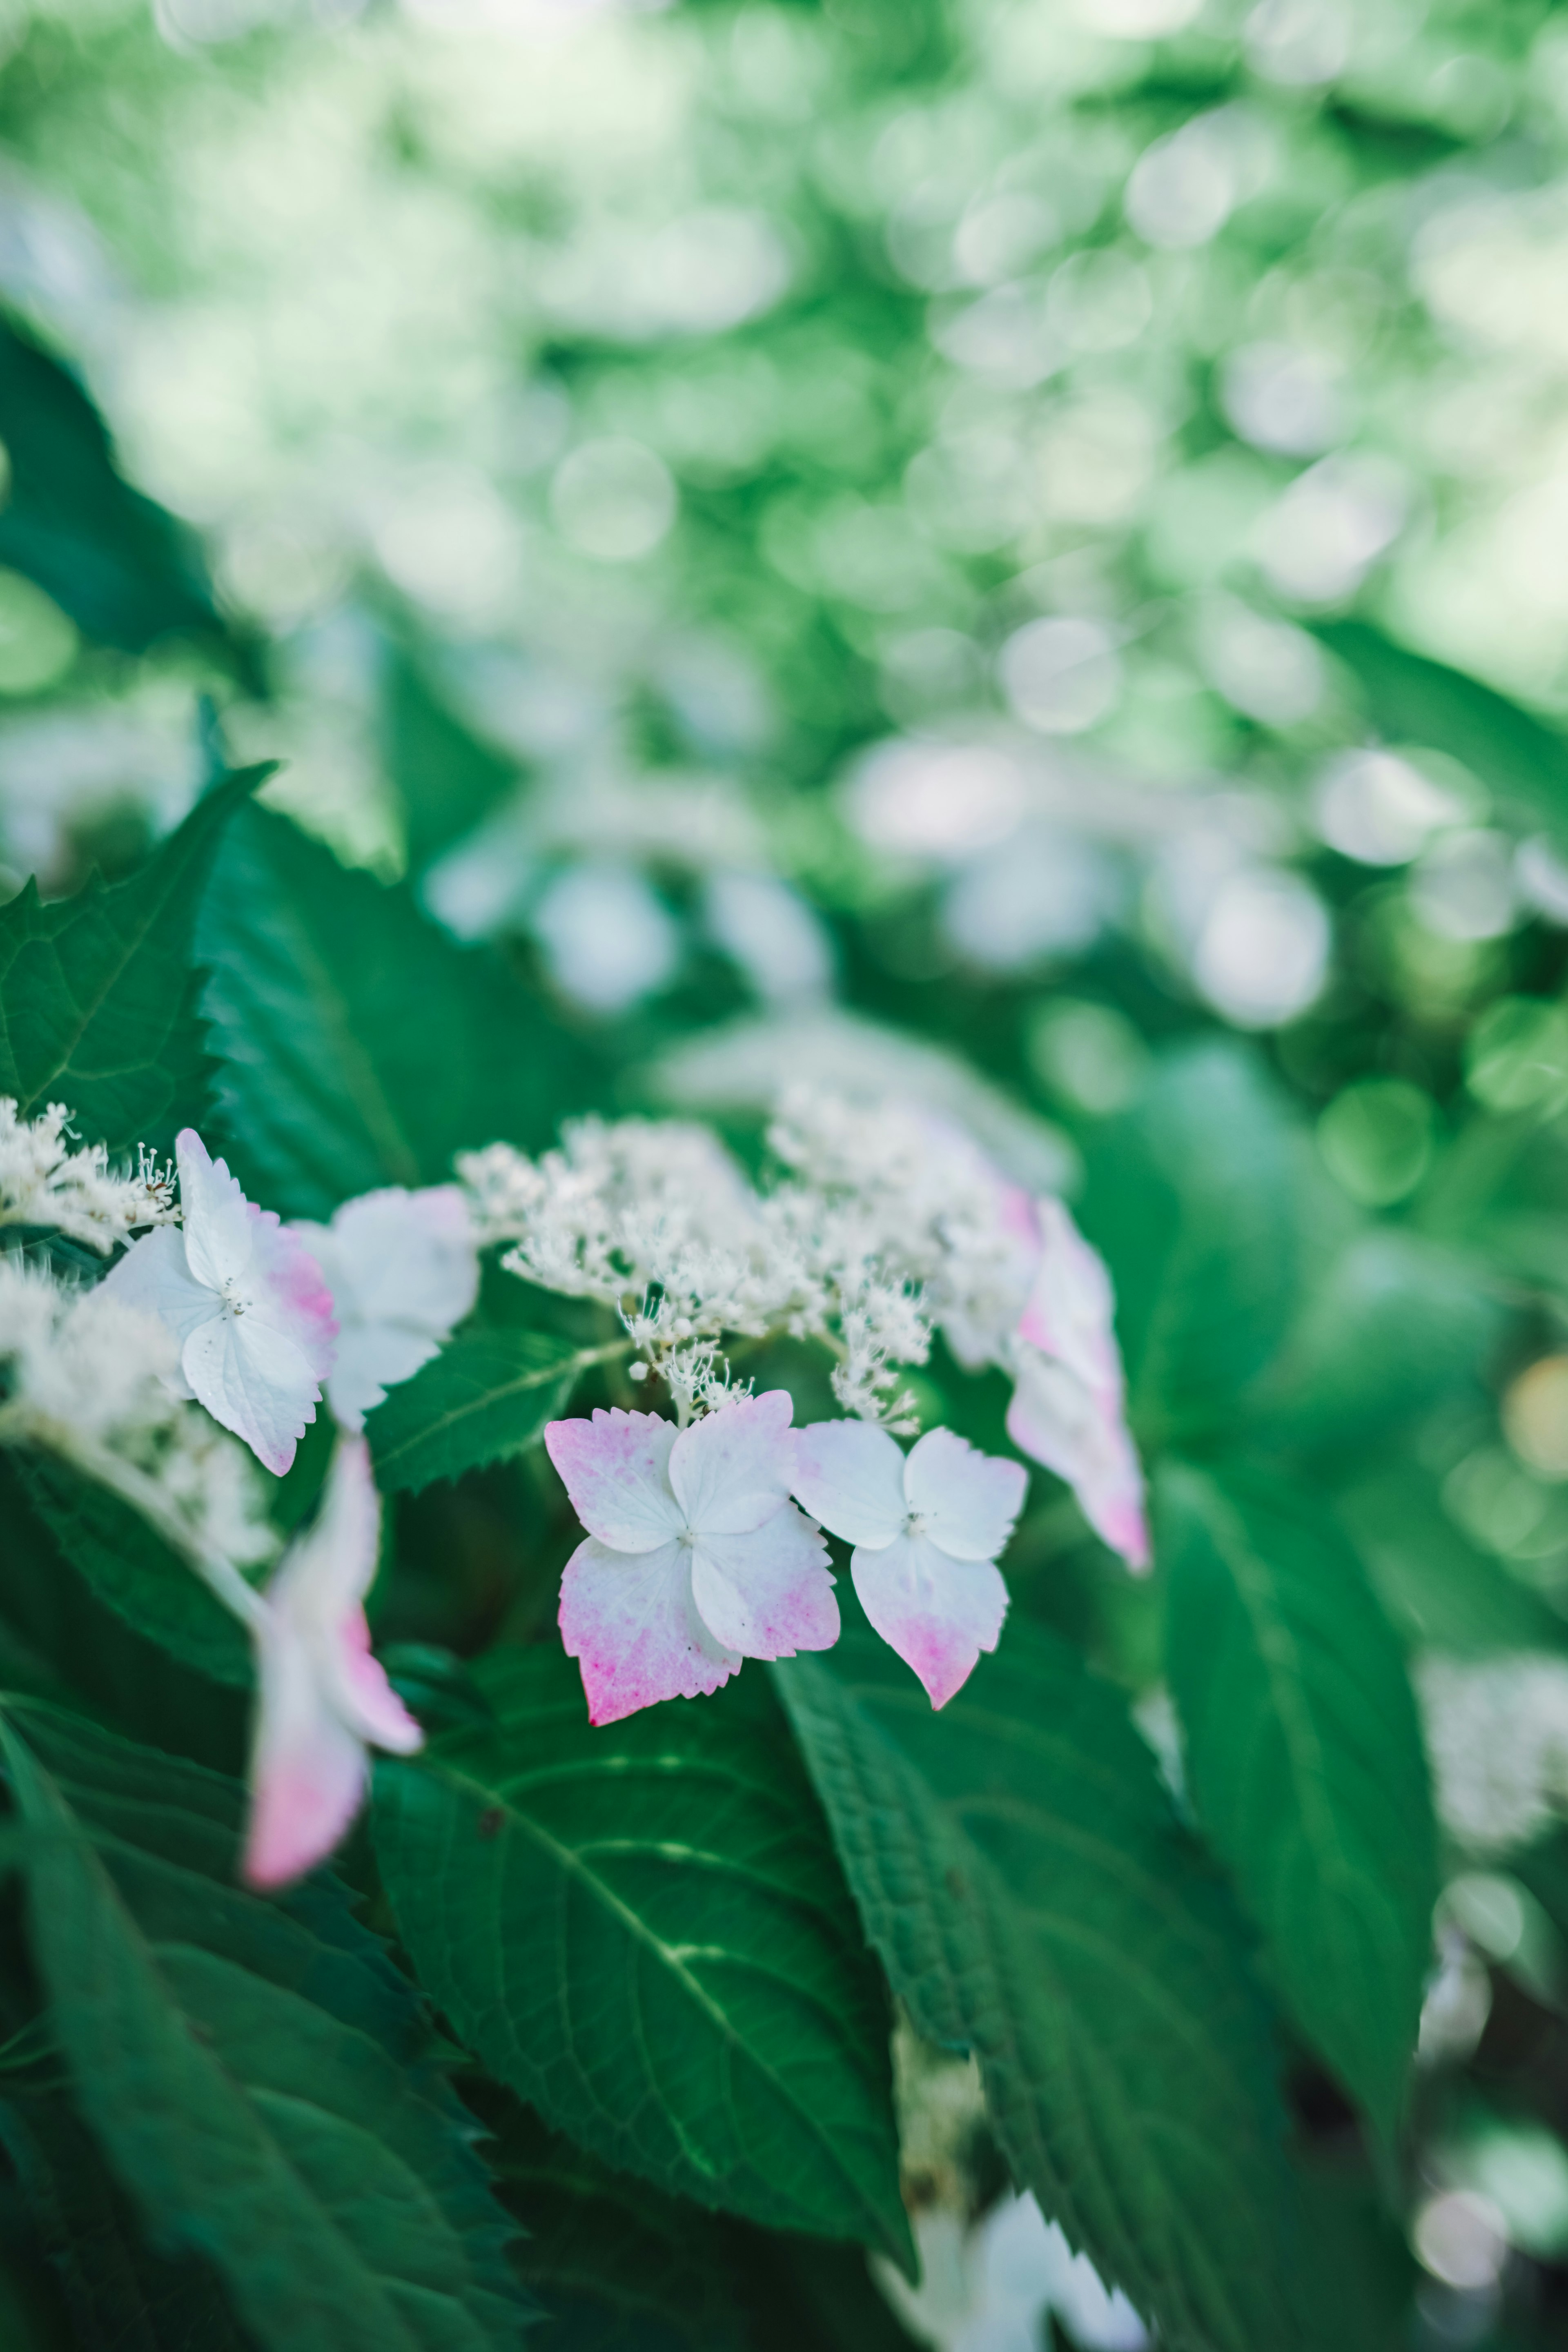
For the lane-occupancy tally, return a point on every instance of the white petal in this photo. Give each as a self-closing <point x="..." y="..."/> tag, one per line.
<point x="770" y="1592"/>
<point x="328" y="1569"/>
<point x="731" y="1470"/>
<point x="629" y="1621"/>
<point x="154" y="1275"/>
<point x="255" y="1382"/>
<point x="218" y="1220"/>
<point x="968" y="1500"/>
<point x="851" y="1477"/>
<point x="937" y="1612"/>
<point x="1082" y="1437"/>
<point x="1071" y="1311"/>
<point x="373" y="1358"/>
<point x="616" y="1467"/>
<point x="403" y="1269"/>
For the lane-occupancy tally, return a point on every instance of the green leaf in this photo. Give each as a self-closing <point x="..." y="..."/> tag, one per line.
<point x="1305" y="1760"/>
<point x="360" y="1046"/>
<point x="122" y="2295"/>
<point x="1440" y="1593"/>
<point x="1193" y="1199"/>
<point x="132" y="1571"/>
<point x="446" y="777"/>
<point x="1033" y="1898"/>
<point x="1393" y="1325"/>
<point x="257" y="2073"/>
<point x="97" y="1006"/>
<point x="484" y="1397"/>
<point x="124" y="569"/>
<point x="642" y="1931"/>
<point x="1519" y="757"/>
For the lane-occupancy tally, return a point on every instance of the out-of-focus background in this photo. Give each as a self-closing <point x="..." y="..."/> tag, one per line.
<point x="935" y="542"/>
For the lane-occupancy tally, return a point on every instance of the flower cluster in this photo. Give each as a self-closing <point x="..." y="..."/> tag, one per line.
<point x="1497" y="1732"/>
<point x="46" y="1180"/>
<point x="886" y="1224"/>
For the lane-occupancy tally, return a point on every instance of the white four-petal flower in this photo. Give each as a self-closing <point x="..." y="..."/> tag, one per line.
<point x="324" y="1699"/>
<point x="246" y="1301"/>
<point x="696" y="1557"/>
<point x="403" y="1268"/>
<point x="927" y="1529"/>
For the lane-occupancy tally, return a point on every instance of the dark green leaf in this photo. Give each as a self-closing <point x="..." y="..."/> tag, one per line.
<point x="123" y="2296"/>
<point x="446" y="778"/>
<point x="1305" y="1760"/>
<point x="124" y="569"/>
<point x="1413" y="700"/>
<point x="258" y="2075"/>
<point x="1440" y="1592"/>
<point x="642" y="1931"/>
<point x="360" y="1046"/>
<point x="485" y="1397"/>
<point x="133" y="1572"/>
<point x="97" y="1006"/>
<point x="1191" y="1198"/>
<point x="1022" y="1875"/>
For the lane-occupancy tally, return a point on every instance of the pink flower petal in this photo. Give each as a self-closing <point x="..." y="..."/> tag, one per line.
<point x="850" y="1476"/>
<point x="153" y="1277"/>
<point x="630" y="1622"/>
<point x="616" y="1467"/>
<point x="1071" y="1310"/>
<point x="1082" y="1437"/>
<point x="366" y="1699"/>
<point x="730" y="1471"/>
<point x="286" y="1288"/>
<point x="308" y="1773"/>
<point x="255" y="1382"/>
<point x="768" y="1593"/>
<point x="215" y="1214"/>
<point x="937" y="1612"/>
<point x="969" y="1500"/>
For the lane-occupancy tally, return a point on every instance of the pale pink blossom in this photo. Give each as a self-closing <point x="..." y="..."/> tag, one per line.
<point x="1068" y="1408"/>
<point x="246" y="1301"/>
<point x="695" y="1557"/>
<point x="324" y="1699"/>
<point x="927" y="1529"/>
<point x="403" y="1268"/>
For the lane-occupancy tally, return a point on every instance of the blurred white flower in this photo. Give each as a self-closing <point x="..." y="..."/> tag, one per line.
<point x="767" y="929"/>
<point x="1042" y="894"/>
<point x="1299" y="42"/>
<point x="45" y="1181"/>
<point x="1497" y="1732"/>
<point x="1378" y="808"/>
<point x="606" y="936"/>
<point x="613" y="499"/>
<point x="1061" y="677"/>
<point x="1185" y="186"/>
<point x="1463" y="886"/>
<point x="1269" y="669"/>
<point x="991" y="2288"/>
<point x="1284" y="398"/>
<point x="1263" y="952"/>
<point x="1317" y="542"/>
<point x="932" y="798"/>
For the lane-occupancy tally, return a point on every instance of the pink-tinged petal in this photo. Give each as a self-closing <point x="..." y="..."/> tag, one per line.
<point x="369" y="1704"/>
<point x="730" y="1471"/>
<point x="215" y="1214"/>
<point x="937" y="1612"/>
<point x="1071" y="1311"/>
<point x="850" y="1476"/>
<point x="254" y="1382"/>
<point x="154" y="1277"/>
<point x="329" y="1567"/>
<point x="1083" y="1438"/>
<point x="968" y="1500"/>
<point x="403" y="1269"/>
<point x="767" y="1594"/>
<point x="309" y="1771"/>
<point x="630" y="1622"/>
<point x="285" y="1288"/>
<point x="616" y="1467"/>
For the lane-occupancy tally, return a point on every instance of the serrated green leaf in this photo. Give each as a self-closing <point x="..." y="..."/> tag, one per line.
<point x="258" y="2074"/>
<point x="124" y="569"/>
<point x="1414" y="700"/>
<point x="133" y="1572"/>
<point x="642" y="1931"/>
<point x="1191" y="1198"/>
<point x="98" y="1006"/>
<point x="1034" y="1900"/>
<point x="360" y="1046"/>
<point x="122" y="2295"/>
<point x="484" y="1397"/>
<point x="1305" y="1761"/>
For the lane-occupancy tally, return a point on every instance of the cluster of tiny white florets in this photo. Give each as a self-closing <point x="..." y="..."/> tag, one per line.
<point x="882" y="1223"/>
<point x="46" y="1180"/>
<point x="86" y="1379"/>
<point x="1497" y="1732"/>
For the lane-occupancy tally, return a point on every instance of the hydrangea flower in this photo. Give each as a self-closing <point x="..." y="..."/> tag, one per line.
<point x="324" y="1699"/>
<point x="695" y="1557"/>
<point x="246" y="1301"/>
<point x="1068" y="1406"/>
<point x="403" y="1268"/>
<point x="927" y="1529"/>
